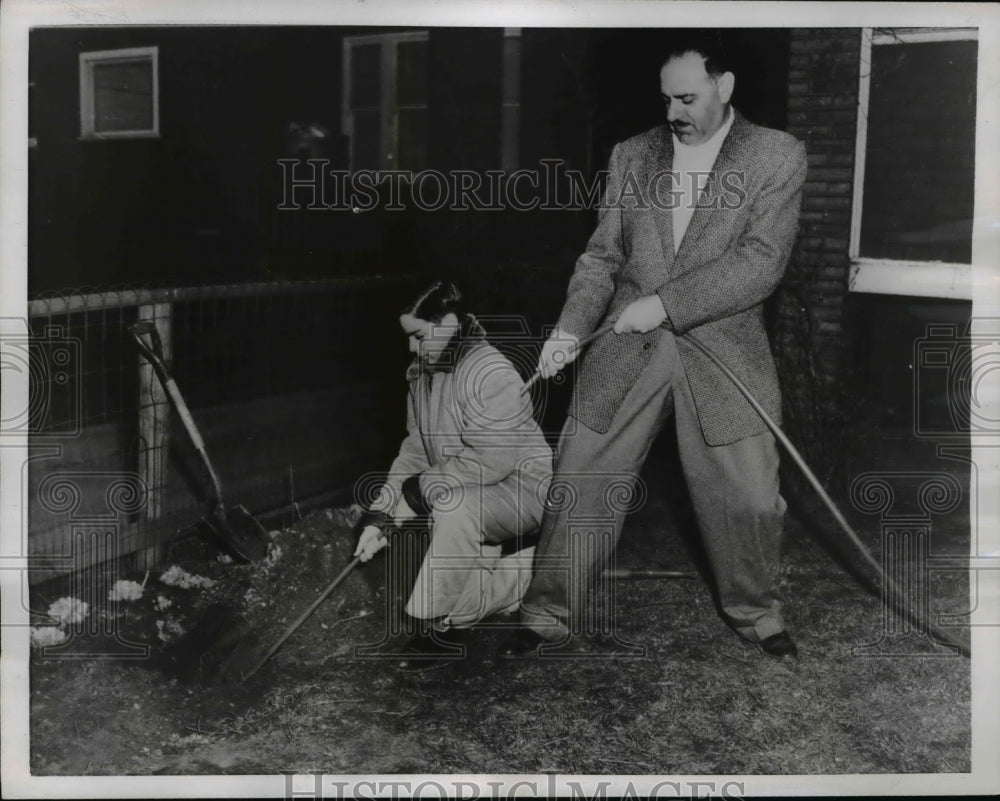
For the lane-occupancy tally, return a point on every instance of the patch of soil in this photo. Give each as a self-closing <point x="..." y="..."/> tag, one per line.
<point x="151" y="679"/>
<point x="251" y="606"/>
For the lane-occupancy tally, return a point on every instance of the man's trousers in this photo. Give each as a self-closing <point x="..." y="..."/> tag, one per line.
<point x="734" y="490"/>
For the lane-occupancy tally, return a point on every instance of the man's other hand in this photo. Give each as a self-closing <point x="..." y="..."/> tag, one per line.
<point x="559" y="350"/>
<point x="641" y="315"/>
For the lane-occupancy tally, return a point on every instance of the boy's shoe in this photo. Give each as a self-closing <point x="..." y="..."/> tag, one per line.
<point x="424" y="651"/>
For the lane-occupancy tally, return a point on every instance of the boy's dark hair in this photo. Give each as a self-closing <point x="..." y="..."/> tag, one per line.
<point x="708" y="44"/>
<point x="436" y="301"/>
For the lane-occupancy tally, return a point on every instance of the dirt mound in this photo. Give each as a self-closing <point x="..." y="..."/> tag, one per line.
<point x="248" y="607"/>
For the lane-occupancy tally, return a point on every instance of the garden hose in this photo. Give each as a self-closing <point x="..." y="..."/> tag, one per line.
<point x="690" y="338"/>
<point x="824" y="496"/>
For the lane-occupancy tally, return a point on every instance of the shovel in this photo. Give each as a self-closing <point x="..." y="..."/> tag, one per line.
<point x="236" y="527"/>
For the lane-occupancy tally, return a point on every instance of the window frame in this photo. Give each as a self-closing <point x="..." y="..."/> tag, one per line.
<point x="389" y="111"/>
<point x="936" y="279"/>
<point x="510" y="101"/>
<point x="88" y="60"/>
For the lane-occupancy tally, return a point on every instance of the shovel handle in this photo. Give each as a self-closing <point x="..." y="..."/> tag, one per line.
<point x="302" y="618"/>
<point x="152" y="349"/>
<point x="305" y="615"/>
<point x="147" y="339"/>
<point x="146" y="328"/>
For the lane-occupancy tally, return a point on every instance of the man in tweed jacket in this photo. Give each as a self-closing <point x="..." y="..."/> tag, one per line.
<point x="675" y="250"/>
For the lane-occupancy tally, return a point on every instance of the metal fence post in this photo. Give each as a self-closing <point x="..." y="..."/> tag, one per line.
<point x="154" y="427"/>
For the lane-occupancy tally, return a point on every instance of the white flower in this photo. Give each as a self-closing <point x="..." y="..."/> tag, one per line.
<point x="225" y="558"/>
<point x="177" y="576"/>
<point x="124" y="590"/>
<point x="273" y="555"/>
<point x="169" y="630"/>
<point x="68" y="611"/>
<point x="46" y="635"/>
<point x="162" y="602"/>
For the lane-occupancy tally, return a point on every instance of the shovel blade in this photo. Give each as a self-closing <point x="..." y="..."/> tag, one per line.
<point x="241" y="531"/>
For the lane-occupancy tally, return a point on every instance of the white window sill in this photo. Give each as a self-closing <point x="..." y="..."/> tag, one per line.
<point x="919" y="278"/>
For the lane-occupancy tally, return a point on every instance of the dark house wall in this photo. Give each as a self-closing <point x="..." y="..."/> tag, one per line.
<point x="198" y="204"/>
<point x="148" y="210"/>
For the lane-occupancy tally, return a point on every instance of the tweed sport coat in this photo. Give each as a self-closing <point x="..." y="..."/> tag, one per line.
<point x="729" y="262"/>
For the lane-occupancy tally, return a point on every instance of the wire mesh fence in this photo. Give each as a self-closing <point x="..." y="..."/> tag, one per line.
<point x="290" y="385"/>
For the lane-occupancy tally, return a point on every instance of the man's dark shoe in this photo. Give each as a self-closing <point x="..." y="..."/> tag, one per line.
<point x="780" y="646"/>
<point x="522" y="644"/>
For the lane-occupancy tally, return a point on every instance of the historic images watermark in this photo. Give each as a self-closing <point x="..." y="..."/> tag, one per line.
<point x="94" y="503"/>
<point x="317" y="787"/>
<point x="311" y="184"/>
<point x="906" y="502"/>
<point x="52" y="363"/>
<point x="951" y="369"/>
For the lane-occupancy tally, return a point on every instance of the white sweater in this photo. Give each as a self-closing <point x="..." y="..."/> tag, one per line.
<point x="696" y="159"/>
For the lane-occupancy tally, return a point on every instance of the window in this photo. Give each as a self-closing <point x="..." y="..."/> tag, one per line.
<point x="385" y="100"/>
<point x="914" y="181"/>
<point x="511" y="89"/>
<point x="119" y="94"/>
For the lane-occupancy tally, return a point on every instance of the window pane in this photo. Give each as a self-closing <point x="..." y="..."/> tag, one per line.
<point x="412" y="138"/>
<point x="366" y="75"/>
<point x="411" y="74"/>
<point x="366" y="144"/>
<point x="920" y="158"/>
<point x="123" y="96"/>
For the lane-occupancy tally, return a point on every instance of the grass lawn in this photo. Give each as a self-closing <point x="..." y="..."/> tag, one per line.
<point x="682" y="695"/>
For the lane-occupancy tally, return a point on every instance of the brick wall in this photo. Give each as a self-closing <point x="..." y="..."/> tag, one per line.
<point x="810" y="336"/>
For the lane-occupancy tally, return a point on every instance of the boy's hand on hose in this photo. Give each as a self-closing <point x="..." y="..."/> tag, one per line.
<point x="559" y="350"/>
<point x="371" y="541"/>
